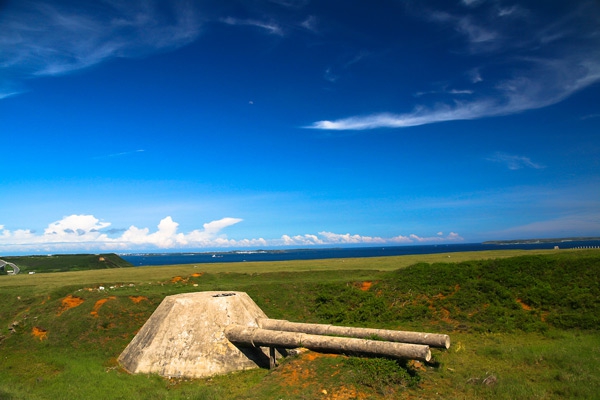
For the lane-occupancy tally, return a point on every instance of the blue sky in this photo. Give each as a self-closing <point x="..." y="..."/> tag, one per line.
<point x="201" y="125"/>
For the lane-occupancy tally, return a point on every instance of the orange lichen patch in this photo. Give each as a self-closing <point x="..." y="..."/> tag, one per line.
<point x="523" y="305"/>
<point x="366" y="285"/>
<point x="346" y="393"/>
<point x="299" y="375"/>
<point x="176" y="279"/>
<point x="441" y="296"/>
<point x="417" y="365"/>
<point x="99" y="304"/>
<point x="446" y="316"/>
<point x="312" y="356"/>
<point x="137" y="299"/>
<point x="197" y="274"/>
<point x="69" y="302"/>
<point x="39" y="333"/>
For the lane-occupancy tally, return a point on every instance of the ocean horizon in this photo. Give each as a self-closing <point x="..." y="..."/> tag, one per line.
<point x="189" y="257"/>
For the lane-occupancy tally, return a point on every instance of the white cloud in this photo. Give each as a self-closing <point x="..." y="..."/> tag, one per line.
<point x="451" y="237"/>
<point x="76" y="233"/>
<point x="44" y="39"/>
<point x="331" y="238"/>
<point x="310" y="24"/>
<point x="122" y="154"/>
<point x="270" y="26"/>
<point x="419" y="116"/>
<point x="470" y="3"/>
<point x="514" y="162"/>
<point x="530" y="71"/>
<point x="291" y="3"/>
<point x="76" y="228"/>
<point x="547" y="82"/>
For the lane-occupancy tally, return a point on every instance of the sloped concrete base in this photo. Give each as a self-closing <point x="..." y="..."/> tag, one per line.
<point x="185" y="337"/>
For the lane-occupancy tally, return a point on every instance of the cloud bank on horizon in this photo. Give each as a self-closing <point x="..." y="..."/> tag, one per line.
<point x="86" y="232"/>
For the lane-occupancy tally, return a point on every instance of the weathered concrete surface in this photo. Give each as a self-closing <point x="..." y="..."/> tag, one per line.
<point x="185" y="337"/>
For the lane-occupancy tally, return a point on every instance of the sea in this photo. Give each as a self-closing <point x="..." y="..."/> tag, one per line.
<point x="149" y="259"/>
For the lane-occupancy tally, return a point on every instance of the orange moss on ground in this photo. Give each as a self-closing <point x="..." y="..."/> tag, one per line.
<point x="137" y="299"/>
<point x="345" y="393"/>
<point x="312" y="356"/>
<point x="69" y="302"/>
<point x="176" y="279"/>
<point x="299" y="375"/>
<point x="39" y="333"/>
<point x="197" y="274"/>
<point x="99" y="304"/>
<point x="523" y="305"/>
<point x="366" y="285"/>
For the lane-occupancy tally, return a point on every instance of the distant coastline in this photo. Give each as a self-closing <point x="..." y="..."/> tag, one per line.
<point x="535" y="241"/>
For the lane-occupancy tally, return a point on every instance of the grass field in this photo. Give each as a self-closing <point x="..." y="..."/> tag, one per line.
<point x="523" y="324"/>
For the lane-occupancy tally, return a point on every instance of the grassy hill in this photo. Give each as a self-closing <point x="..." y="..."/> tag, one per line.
<point x="67" y="262"/>
<point x="522" y="327"/>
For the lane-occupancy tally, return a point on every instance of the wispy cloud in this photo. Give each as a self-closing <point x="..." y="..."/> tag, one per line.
<point x="291" y="3"/>
<point x="270" y="26"/>
<point x="122" y="154"/>
<point x="590" y="116"/>
<point x="46" y="39"/>
<point x="547" y="82"/>
<point x="88" y="233"/>
<point x="514" y="162"/>
<point x="523" y="82"/>
<point x="332" y="74"/>
<point x="445" y="91"/>
<point x="560" y="226"/>
<point x="310" y="24"/>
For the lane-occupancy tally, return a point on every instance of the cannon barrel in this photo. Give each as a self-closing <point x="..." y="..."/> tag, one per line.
<point x="258" y="337"/>
<point x="429" y="339"/>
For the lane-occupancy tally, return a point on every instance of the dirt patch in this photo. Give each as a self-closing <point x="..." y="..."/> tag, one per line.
<point x="346" y="393"/>
<point x="299" y="375"/>
<point x="441" y="296"/>
<point x="312" y="356"/>
<point x="99" y="304"/>
<point x="70" y="302"/>
<point x="137" y="299"/>
<point x="523" y="305"/>
<point x="39" y="333"/>
<point x="417" y="365"/>
<point x="366" y="285"/>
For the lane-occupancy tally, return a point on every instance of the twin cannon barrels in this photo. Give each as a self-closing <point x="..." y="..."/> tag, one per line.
<point x="201" y="334"/>
<point x="275" y="333"/>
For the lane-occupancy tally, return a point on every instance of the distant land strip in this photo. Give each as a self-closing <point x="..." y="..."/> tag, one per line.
<point x="533" y="241"/>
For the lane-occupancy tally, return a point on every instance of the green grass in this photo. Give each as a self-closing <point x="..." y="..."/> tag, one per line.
<point x="523" y="325"/>
<point x="67" y="262"/>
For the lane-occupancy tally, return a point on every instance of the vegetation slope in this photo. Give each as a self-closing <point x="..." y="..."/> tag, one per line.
<point x="521" y="327"/>
<point x="67" y="262"/>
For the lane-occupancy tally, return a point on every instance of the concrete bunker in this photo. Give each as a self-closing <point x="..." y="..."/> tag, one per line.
<point x="196" y="335"/>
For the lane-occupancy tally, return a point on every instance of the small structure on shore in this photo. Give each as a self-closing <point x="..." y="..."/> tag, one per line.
<point x="196" y="335"/>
